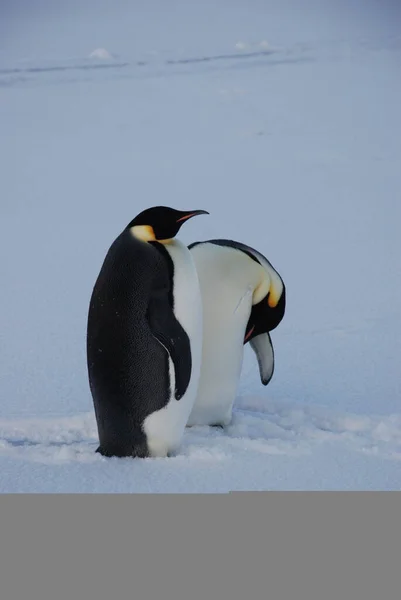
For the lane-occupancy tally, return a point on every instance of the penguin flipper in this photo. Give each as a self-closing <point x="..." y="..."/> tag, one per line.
<point x="263" y="348"/>
<point x="171" y="335"/>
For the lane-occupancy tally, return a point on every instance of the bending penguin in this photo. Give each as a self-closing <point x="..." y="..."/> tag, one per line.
<point x="144" y="337"/>
<point x="243" y="300"/>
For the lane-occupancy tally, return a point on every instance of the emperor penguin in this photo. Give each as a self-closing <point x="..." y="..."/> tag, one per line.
<point x="243" y="299"/>
<point x="144" y="337"/>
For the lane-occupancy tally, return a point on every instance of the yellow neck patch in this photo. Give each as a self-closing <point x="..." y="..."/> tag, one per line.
<point x="272" y="283"/>
<point x="274" y="296"/>
<point x="146" y="233"/>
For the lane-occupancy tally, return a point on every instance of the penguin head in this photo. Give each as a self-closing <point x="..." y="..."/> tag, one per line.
<point x="160" y="223"/>
<point x="264" y="317"/>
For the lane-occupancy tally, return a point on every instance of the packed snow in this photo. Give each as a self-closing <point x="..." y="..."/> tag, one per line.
<point x="292" y="144"/>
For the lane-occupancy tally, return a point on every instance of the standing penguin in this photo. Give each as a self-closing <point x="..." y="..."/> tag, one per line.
<point x="243" y="299"/>
<point x="144" y="337"/>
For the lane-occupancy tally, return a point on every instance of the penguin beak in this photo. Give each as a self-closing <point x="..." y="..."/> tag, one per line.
<point x="191" y="214"/>
<point x="248" y="334"/>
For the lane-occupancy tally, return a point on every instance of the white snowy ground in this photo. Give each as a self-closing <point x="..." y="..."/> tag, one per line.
<point x="283" y="120"/>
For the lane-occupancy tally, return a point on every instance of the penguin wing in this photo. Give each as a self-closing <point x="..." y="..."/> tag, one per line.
<point x="263" y="348"/>
<point x="171" y="335"/>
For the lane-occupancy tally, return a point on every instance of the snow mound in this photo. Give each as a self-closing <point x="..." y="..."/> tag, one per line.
<point x="101" y="53"/>
<point x="242" y="46"/>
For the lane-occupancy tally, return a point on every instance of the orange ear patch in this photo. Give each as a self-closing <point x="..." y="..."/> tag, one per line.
<point x="144" y="233"/>
<point x="273" y="298"/>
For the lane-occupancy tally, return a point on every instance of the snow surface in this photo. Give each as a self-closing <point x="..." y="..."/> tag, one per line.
<point x="292" y="142"/>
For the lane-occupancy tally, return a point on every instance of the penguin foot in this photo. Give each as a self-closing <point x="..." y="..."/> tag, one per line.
<point x="139" y="451"/>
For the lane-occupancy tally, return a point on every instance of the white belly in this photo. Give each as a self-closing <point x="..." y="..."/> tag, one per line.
<point x="221" y="367"/>
<point x="227" y="279"/>
<point x="164" y="428"/>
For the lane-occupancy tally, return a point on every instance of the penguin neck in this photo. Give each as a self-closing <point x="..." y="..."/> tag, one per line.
<point x="245" y="280"/>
